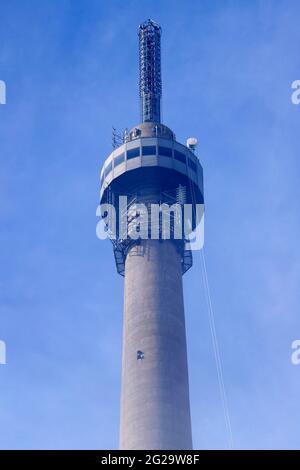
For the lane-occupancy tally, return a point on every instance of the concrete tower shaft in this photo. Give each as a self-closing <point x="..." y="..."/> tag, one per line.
<point x="155" y="410"/>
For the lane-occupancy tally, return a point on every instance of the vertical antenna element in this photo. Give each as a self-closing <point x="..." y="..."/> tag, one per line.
<point x="150" y="71"/>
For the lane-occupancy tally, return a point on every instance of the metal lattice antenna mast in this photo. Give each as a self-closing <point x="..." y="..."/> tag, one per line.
<point x="150" y="71"/>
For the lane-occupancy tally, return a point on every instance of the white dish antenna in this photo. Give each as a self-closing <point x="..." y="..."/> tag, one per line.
<point x="192" y="143"/>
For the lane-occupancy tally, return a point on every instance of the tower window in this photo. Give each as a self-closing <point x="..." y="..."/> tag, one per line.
<point x="165" y="151"/>
<point x="149" y="150"/>
<point x="192" y="165"/>
<point x="119" y="159"/>
<point x="133" y="153"/>
<point x="179" y="156"/>
<point x="108" y="169"/>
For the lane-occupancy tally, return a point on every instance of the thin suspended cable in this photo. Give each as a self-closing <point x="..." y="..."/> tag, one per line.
<point x="217" y="354"/>
<point x="213" y="332"/>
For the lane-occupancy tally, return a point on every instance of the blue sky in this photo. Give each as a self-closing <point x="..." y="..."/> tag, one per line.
<point x="71" y="70"/>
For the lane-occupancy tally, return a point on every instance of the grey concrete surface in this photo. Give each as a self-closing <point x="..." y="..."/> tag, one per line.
<point x="155" y="409"/>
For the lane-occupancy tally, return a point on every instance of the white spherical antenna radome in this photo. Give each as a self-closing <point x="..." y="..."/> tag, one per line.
<point x="192" y="143"/>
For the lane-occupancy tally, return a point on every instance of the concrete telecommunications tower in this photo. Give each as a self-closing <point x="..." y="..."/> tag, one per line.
<point x="149" y="167"/>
